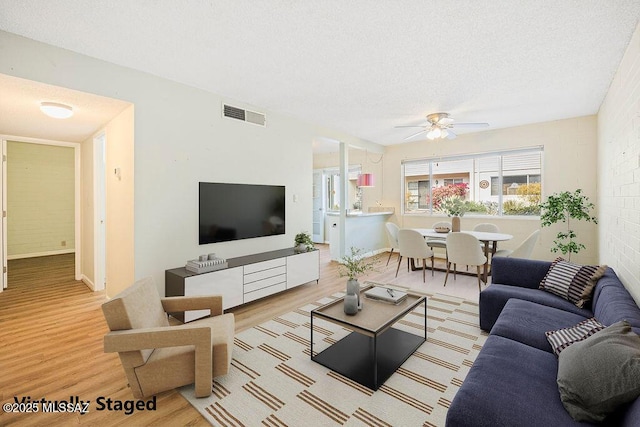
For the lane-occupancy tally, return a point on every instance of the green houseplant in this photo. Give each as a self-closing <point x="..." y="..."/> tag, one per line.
<point x="563" y="207"/>
<point x="303" y="242"/>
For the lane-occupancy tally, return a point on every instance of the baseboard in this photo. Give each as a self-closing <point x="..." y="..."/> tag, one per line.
<point x="88" y="282"/>
<point x="39" y="254"/>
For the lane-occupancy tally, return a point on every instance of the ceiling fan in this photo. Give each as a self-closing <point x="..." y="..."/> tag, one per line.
<point x="440" y="125"/>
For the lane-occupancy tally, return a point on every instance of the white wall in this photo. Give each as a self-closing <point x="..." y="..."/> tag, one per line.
<point x="181" y="138"/>
<point x="40" y="199"/>
<point x="619" y="171"/>
<point x="569" y="163"/>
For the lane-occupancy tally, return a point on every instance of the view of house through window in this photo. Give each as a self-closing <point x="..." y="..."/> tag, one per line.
<point x="505" y="183"/>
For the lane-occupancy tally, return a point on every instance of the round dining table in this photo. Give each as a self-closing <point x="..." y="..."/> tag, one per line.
<point x="489" y="239"/>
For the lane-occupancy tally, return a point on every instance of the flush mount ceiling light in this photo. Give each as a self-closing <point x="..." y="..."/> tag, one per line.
<point x="56" y="110"/>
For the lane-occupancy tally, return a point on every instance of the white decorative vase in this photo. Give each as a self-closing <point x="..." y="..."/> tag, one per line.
<point x="352" y="299"/>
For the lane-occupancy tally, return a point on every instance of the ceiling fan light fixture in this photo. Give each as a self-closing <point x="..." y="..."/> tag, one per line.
<point x="56" y="110"/>
<point x="444" y="133"/>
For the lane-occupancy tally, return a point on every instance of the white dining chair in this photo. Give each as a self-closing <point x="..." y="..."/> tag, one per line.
<point x="413" y="246"/>
<point x="523" y="251"/>
<point x="392" y="235"/>
<point x="439" y="243"/>
<point x="464" y="248"/>
<point x="487" y="227"/>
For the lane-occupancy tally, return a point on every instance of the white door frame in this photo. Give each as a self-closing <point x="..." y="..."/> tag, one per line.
<point x="99" y="211"/>
<point x="3" y="215"/>
<point x="77" y="177"/>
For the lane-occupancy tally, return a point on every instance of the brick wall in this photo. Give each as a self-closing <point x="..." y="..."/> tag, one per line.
<point x="619" y="171"/>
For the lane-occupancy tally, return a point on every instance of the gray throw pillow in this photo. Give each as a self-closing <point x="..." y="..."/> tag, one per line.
<point x="597" y="375"/>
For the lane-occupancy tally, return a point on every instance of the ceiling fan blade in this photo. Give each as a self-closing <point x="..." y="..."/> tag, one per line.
<point x="416" y="134"/>
<point x="470" y="125"/>
<point x="416" y="126"/>
<point x="451" y="134"/>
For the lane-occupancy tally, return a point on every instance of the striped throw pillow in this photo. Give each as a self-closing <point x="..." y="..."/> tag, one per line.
<point x="563" y="338"/>
<point x="573" y="282"/>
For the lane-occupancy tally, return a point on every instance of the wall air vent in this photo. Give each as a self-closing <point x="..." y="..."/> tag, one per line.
<point x="244" y="115"/>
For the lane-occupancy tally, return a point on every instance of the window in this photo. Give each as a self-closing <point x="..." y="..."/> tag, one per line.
<point x="504" y="183"/>
<point x="354" y="195"/>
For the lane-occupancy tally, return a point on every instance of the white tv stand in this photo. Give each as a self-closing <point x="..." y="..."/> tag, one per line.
<point x="246" y="279"/>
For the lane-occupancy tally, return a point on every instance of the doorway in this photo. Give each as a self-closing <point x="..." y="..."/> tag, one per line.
<point x="41" y="200"/>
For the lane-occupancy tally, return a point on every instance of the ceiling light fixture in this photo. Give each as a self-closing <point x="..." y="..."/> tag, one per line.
<point x="436" y="132"/>
<point x="56" y="110"/>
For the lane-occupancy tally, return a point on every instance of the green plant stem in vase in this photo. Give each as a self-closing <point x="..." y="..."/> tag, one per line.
<point x="352" y="266"/>
<point x="455" y="207"/>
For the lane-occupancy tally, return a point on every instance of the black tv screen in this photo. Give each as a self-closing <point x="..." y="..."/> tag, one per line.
<point x="240" y="211"/>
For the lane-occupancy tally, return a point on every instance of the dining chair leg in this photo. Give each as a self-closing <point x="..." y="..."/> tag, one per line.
<point x="399" y="261"/>
<point x="446" y="276"/>
<point x="424" y="270"/>
<point x="432" y="266"/>
<point x="390" y="253"/>
<point x="455" y="268"/>
<point x="479" y="281"/>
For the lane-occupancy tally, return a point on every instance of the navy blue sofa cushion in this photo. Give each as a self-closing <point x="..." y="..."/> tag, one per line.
<point x="494" y="298"/>
<point x="527" y="322"/>
<point x="612" y="302"/>
<point x="524" y="273"/>
<point x="510" y="384"/>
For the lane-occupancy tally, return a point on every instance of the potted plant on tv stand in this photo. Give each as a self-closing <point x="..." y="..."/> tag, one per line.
<point x="352" y="266"/>
<point x="303" y="242"/>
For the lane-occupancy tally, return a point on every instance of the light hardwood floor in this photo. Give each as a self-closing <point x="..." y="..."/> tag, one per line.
<point x="51" y="332"/>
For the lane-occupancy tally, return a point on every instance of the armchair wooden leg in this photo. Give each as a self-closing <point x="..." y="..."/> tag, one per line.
<point x="390" y="253"/>
<point x="455" y="268"/>
<point x="424" y="270"/>
<point x="432" y="266"/>
<point x="479" y="280"/>
<point x="399" y="261"/>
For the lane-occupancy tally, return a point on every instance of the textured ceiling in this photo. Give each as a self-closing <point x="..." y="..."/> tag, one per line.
<point x="359" y="66"/>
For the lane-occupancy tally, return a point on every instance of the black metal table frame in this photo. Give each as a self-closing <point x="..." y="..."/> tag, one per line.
<point x="349" y="355"/>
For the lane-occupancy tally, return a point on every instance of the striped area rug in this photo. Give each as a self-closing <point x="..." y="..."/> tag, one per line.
<point x="273" y="382"/>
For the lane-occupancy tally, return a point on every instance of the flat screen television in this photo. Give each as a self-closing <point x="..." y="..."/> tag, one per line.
<point x="240" y="211"/>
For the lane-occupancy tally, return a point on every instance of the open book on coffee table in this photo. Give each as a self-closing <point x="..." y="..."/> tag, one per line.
<point x="389" y="295"/>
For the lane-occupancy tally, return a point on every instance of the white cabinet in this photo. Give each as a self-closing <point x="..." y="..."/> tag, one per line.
<point x="303" y="268"/>
<point x="248" y="278"/>
<point x="264" y="278"/>
<point x="221" y="282"/>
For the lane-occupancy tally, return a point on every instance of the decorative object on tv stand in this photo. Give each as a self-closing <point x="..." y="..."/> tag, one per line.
<point x="303" y="242"/>
<point x="562" y="207"/>
<point x="455" y="207"/>
<point x="206" y="263"/>
<point x="352" y="266"/>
